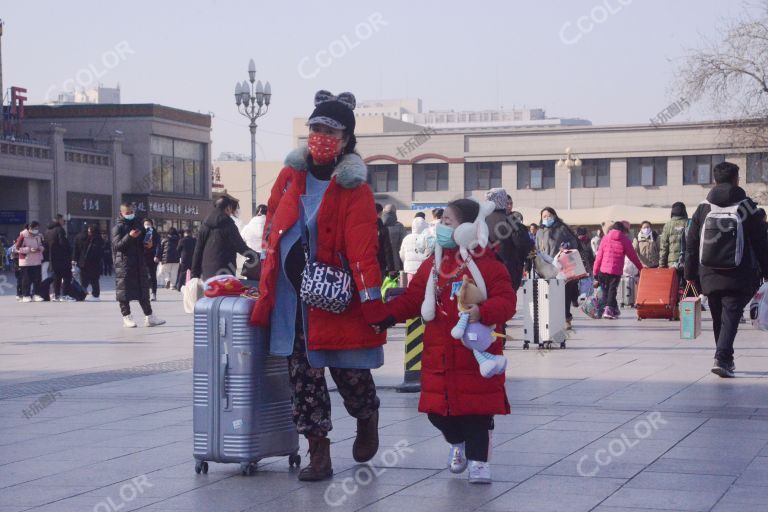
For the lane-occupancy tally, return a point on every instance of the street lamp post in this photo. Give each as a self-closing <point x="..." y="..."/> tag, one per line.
<point x="250" y="98"/>
<point x="570" y="162"/>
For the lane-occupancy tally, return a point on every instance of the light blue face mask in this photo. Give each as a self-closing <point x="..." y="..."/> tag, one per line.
<point x="548" y="222"/>
<point x="445" y="236"/>
<point x="130" y="216"/>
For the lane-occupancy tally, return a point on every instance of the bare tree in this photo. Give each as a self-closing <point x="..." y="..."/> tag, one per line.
<point x="731" y="75"/>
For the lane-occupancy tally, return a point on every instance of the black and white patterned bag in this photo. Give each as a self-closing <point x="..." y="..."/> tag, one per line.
<point x="323" y="286"/>
<point x="326" y="287"/>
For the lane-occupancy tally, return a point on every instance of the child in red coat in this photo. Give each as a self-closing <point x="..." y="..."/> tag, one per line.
<point x="458" y="400"/>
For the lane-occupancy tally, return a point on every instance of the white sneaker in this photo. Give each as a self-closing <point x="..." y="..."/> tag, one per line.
<point x="128" y="321"/>
<point x="479" y="472"/>
<point x="91" y="298"/>
<point x="18" y="298"/>
<point x="38" y="298"/>
<point x="26" y="299"/>
<point x="457" y="460"/>
<point x="67" y="298"/>
<point x="54" y="298"/>
<point x="152" y="321"/>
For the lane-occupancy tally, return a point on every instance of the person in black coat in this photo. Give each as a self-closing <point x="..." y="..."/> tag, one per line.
<point x="219" y="242"/>
<point x="386" y="263"/>
<point x="169" y="258"/>
<point x="131" y="278"/>
<point x="728" y="290"/>
<point x="186" y="250"/>
<point x="57" y="247"/>
<point x="107" y="259"/>
<point x="88" y="255"/>
<point x="152" y="255"/>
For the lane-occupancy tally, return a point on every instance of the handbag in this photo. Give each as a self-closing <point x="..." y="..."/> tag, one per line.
<point x="323" y="286"/>
<point x="544" y="266"/>
<point x="690" y="313"/>
<point x="571" y="265"/>
<point x="594" y="306"/>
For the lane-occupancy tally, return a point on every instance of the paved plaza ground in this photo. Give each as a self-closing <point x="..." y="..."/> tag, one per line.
<point x="627" y="418"/>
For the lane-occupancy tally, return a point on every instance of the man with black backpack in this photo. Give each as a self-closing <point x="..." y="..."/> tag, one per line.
<point x="727" y="249"/>
<point x="508" y="235"/>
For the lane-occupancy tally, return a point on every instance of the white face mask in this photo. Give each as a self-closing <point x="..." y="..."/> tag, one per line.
<point x="34" y="231"/>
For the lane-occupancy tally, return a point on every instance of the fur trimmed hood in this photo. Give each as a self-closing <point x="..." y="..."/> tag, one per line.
<point x="350" y="172"/>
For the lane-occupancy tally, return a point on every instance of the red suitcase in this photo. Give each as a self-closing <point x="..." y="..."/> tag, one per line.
<point x="657" y="293"/>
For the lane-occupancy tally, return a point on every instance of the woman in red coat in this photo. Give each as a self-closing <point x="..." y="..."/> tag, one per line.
<point x="322" y="207"/>
<point x="458" y="400"/>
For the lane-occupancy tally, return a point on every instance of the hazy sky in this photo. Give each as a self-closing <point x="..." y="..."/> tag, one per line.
<point x="451" y="54"/>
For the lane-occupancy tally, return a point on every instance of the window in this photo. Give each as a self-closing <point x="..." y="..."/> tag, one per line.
<point x="383" y="178"/>
<point x="536" y="175"/>
<point x="593" y="174"/>
<point x="647" y="172"/>
<point x="697" y="169"/>
<point x="430" y="177"/>
<point x="757" y="168"/>
<point x="482" y="175"/>
<point x="189" y="177"/>
<point x="176" y="166"/>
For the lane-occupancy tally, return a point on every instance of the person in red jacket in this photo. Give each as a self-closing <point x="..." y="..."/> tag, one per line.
<point x="457" y="399"/>
<point x="609" y="265"/>
<point x="326" y="183"/>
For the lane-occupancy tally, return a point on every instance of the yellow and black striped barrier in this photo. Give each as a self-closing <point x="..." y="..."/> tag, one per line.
<point x="414" y="345"/>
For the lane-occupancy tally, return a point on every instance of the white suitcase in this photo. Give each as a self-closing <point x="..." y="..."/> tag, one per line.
<point x="627" y="292"/>
<point x="544" y="312"/>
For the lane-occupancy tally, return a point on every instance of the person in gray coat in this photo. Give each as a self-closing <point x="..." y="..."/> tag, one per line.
<point x="397" y="233"/>
<point x="553" y="236"/>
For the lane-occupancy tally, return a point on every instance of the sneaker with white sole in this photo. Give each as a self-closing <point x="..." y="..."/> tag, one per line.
<point x="26" y="299"/>
<point x="479" y="472"/>
<point x="38" y="298"/>
<point x="724" y="370"/>
<point x="457" y="459"/>
<point x="91" y="298"/>
<point x="128" y="322"/>
<point x="152" y="321"/>
<point x="18" y="298"/>
<point x="67" y="298"/>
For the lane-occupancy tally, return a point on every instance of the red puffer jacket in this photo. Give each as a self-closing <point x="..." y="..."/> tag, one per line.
<point x="451" y="384"/>
<point x="346" y="225"/>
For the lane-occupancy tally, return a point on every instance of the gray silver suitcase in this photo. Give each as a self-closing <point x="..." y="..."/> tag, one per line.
<point x="241" y="395"/>
<point x="627" y="292"/>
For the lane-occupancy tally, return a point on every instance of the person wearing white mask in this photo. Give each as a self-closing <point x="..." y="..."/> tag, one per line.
<point x="646" y="244"/>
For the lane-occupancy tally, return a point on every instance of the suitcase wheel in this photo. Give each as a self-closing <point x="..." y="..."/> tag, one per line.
<point x="294" y="460"/>
<point x="247" y="468"/>
<point x="201" y="467"/>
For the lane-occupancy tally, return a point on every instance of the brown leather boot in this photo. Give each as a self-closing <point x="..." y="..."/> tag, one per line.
<point x="367" y="441"/>
<point x="319" y="460"/>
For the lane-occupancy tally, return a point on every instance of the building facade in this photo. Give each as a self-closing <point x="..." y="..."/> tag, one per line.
<point x="634" y="165"/>
<point x="83" y="160"/>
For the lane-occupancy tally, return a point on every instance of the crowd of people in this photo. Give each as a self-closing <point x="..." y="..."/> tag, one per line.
<point x="322" y="215"/>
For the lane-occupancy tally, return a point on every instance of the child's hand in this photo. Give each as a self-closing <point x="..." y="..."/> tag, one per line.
<point x="474" y="313"/>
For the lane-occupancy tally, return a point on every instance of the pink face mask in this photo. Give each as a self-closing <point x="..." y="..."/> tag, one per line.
<point x="323" y="148"/>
